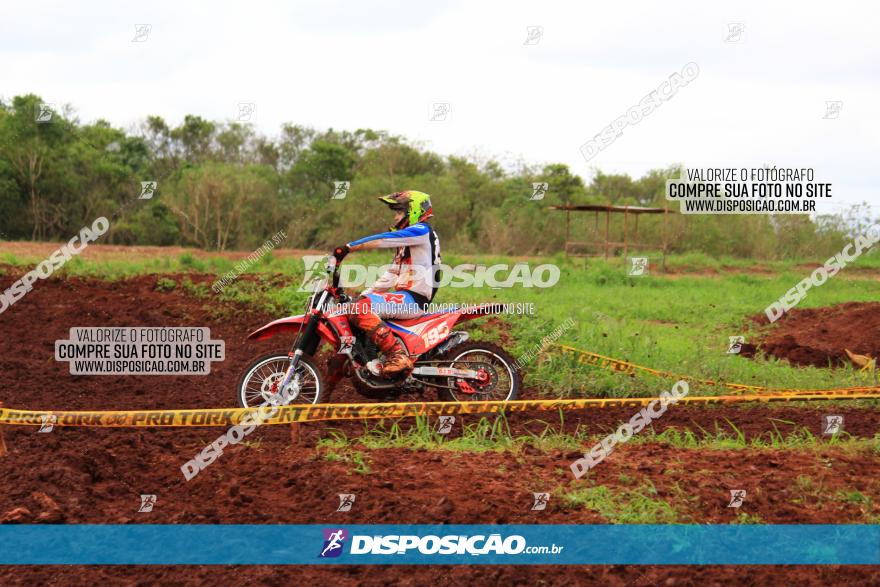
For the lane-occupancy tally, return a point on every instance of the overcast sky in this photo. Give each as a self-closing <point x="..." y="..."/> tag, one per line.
<point x="760" y="97"/>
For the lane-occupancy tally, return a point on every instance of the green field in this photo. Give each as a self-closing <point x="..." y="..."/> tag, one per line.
<point x="678" y="321"/>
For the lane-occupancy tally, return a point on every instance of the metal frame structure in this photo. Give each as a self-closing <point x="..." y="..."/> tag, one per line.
<point x="605" y="244"/>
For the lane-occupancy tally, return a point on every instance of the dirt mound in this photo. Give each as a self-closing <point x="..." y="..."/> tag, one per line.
<point x="818" y="336"/>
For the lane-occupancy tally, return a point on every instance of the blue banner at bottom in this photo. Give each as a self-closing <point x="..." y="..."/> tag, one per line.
<point x="172" y="544"/>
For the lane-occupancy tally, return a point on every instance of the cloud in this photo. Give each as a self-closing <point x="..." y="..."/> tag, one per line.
<point x="383" y="65"/>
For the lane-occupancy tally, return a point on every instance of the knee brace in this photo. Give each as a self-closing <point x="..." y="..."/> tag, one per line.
<point x="363" y="316"/>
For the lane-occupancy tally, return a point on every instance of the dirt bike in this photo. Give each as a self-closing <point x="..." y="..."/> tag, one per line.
<point x="444" y="359"/>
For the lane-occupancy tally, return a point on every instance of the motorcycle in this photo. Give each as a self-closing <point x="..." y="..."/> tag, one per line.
<point x="444" y="359"/>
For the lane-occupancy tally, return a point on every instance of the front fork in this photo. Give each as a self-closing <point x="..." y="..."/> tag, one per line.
<point x="306" y="343"/>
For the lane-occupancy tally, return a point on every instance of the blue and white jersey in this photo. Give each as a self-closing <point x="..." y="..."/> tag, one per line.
<point x="415" y="264"/>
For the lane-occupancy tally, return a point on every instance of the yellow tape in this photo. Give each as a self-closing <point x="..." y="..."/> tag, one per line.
<point x="326" y="412"/>
<point x="603" y="362"/>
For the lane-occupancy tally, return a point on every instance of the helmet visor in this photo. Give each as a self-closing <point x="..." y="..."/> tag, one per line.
<point x="394" y="203"/>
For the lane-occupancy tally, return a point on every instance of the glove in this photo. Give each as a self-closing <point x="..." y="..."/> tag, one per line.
<point x="339" y="253"/>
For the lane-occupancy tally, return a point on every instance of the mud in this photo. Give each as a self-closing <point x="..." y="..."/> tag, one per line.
<point x="82" y="475"/>
<point x="416" y="576"/>
<point x="818" y="337"/>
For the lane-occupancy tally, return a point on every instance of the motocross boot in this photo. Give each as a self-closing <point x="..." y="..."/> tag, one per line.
<point x="396" y="361"/>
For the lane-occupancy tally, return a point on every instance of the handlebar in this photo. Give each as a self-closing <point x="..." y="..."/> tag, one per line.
<point x="333" y="271"/>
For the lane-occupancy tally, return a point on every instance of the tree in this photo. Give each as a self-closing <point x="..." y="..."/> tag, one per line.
<point x="26" y="143"/>
<point x="195" y="138"/>
<point x="613" y="188"/>
<point x="318" y="166"/>
<point x="213" y="202"/>
<point x="563" y="184"/>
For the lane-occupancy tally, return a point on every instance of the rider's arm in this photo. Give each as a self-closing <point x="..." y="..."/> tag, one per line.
<point x="412" y="235"/>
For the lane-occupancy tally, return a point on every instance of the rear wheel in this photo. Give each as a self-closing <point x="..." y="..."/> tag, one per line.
<point x="499" y="379"/>
<point x="262" y="379"/>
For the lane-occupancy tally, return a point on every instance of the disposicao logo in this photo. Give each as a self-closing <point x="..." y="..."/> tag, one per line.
<point x="334" y="539"/>
<point x="410" y="544"/>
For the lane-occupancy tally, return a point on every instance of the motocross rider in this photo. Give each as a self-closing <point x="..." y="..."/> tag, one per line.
<point x="409" y="284"/>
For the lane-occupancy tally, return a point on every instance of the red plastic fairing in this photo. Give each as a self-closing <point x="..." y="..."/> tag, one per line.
<point x="291" y="325"/>
<point x="463" y="314"/>
<point x="427" y="333"/>
<point x="423" y="333"/>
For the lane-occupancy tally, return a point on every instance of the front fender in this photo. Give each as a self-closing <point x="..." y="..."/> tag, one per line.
<point x="291" y="325"/>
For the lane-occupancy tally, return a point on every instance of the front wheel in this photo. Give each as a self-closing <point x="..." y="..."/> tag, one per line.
<point x="500" y="380"/>
<point x="262" y="379"/>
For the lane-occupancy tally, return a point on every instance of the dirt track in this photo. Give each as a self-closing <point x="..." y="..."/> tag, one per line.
<point x="101" y="252"/>
<point x="417" y="576"/>
<point x="819" y="336"/>
<point x="97" y="475"/>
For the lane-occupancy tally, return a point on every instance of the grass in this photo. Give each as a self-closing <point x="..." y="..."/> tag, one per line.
<point x="677" y="323"/>
<point x="745" y="518"/>
<point x="488" y="434"/>
<point x="864" y="503"/>
<point x="360" y="462"/>
<point x="481" y="436"/>
<point x="165" y="284"/>
<point x="627" y="506"/>
<point x="734" y="438"/>
<point x="810" y="492"/>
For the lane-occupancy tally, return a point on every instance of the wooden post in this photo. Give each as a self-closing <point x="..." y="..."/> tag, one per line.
<point x="567" y="219"/>
<point x="625" y="241"/>
<point x="295" y="433"/>
<point x="2" y="439"/>
<point x="607" y="225"/>
<point x="665" y="218"/>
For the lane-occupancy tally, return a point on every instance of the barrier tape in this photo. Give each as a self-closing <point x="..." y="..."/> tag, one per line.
<point x="325" y="412"/>
<point x="328" y="412"/>
<point x="603" y="362"/>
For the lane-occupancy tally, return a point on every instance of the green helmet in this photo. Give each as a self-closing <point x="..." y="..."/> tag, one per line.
<point x="416" y="205"/>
